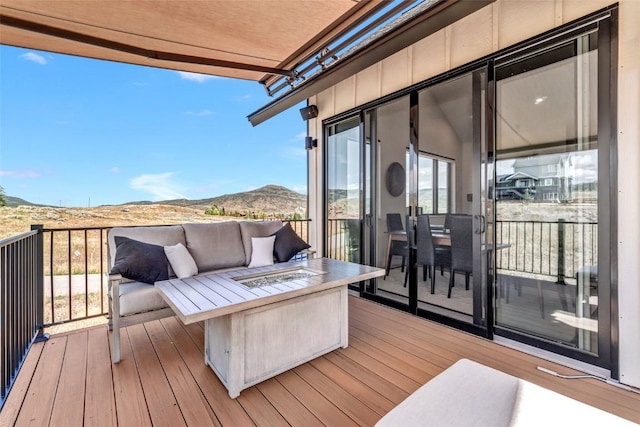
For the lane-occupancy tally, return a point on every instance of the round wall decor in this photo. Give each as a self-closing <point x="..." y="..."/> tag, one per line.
<point x="395" y="179"/>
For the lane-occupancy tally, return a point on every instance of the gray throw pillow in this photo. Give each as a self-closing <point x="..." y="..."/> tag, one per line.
<point x="288" y="243"/>
<point x="139" y="261"/>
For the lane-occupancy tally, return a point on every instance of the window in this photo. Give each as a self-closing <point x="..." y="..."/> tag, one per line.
<point x="434" y="184"/>
<point x="548" y="182"/>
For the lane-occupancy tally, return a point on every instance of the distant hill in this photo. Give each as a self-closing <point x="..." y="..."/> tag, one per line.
<point x="13" y="202"/>
<point x="271" y="199"/>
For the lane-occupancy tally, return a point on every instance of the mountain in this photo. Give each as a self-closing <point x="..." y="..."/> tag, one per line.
<point x="13" y="202"/>
<point x="271" y="199"/>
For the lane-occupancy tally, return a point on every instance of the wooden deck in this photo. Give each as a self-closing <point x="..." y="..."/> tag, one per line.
<point x="162" y="378"/>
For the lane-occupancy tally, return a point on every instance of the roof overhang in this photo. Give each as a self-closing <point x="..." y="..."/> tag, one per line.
<point x="440" y="15"/>
<point x="248" y="39"/>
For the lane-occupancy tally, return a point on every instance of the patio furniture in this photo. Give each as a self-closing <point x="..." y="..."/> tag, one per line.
<point x="260" y="324"/>
<point x="491" y="398"/>
<point x="429" y="255"/>
<point x="396" y="241"/>
<point x="461" y="248"/>
<point x="140" y="259"/>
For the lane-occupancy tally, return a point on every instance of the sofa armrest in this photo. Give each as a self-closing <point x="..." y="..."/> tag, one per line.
<point x="310" y="253"/>
<point x="113" y="276"/>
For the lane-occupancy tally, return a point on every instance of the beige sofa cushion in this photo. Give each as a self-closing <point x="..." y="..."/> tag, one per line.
<point x="249" y="229"/>
<point x="215" y="245"/>
<point x="137" y="297"/>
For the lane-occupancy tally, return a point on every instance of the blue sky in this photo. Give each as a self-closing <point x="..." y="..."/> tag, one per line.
<point x="75" y="131"/>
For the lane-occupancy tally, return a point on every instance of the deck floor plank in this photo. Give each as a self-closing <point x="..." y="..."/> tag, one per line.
<point x="385" y="387"/>
<point x="163" y="407"/>
<point x="385" y="371"/>
<point x="100" y="404"/>
<point x="286" y="404"/>
<point x="16" y="397"/>
<point x="408" y="364"/>
<point x="131" y="405"/>
<point x="194" y="406"/>
<point x="441" y="340"/>
<point x="354" y="386"/>
<point x="260" y="409"/>
<point x="341" y="398"/>
<point x="42" y="390"/>
<point x="228" y="411"/>
<point x="162" y="377"/>
<point x="68" y="408"/>
<point x="319" y="405"/>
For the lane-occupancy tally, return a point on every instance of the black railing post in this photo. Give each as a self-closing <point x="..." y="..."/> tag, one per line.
<point x="560" y="280"/>
<point x="39" y="285"/>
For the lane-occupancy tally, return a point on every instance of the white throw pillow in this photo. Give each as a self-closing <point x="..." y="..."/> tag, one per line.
<point x="262" y="251"/>
<point x="181" y="261"/>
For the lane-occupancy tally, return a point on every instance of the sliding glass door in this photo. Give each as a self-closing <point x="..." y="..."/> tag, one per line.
<point x="344" y="191"/>
<point x="437" y="171"/>
<point x="452" y="160"/>
<point x="548" y="180"/>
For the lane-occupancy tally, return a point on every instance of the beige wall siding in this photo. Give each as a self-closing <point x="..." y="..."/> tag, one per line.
<point x="628" y="191"/>
<point x="394" y="73"/>
<point x="498" y="26"/>
<point x="519" y="20"/>
<point x="471" y="38"/>
<point x="344" y="95"/>
<point x="429" y="56"/>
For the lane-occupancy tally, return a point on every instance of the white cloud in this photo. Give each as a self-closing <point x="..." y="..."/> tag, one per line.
<point x="295" y="150"/>
<point x="20" y="174"/>
<point x="195" y="77"/>
<point x="160" y="186"/>
<point x="34" y="57"/>
<point x="202" y="113"/>
<point x="115" y="169"/>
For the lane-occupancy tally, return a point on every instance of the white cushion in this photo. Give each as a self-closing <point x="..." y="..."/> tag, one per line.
<point x="471" y="394"/>
<point x="262" y="251"/>
<point x="249" y="229"/>
<point x="466" y="394"/>
<point x="181" y="261"/>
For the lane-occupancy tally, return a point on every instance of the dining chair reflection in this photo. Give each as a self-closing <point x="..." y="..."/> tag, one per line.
<point x="429" y="256"/>
<point x="461" y="248"/>
<point x="396" y="241"/>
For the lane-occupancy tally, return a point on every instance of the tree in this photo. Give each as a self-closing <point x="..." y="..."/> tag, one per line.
<point x="3" y="199"/>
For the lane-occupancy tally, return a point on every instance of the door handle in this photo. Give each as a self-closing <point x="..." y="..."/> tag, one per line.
<point x="479" y="223"/>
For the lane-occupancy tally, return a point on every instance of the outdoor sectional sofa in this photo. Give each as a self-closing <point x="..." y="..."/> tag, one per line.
<point x="139" y="256"/>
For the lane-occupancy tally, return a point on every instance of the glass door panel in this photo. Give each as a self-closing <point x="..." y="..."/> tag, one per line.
<point x="547" y="195"/>
<point x="389" y="161"/>
<point x="451" y="160"/>
<point x="344" y="192"/>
